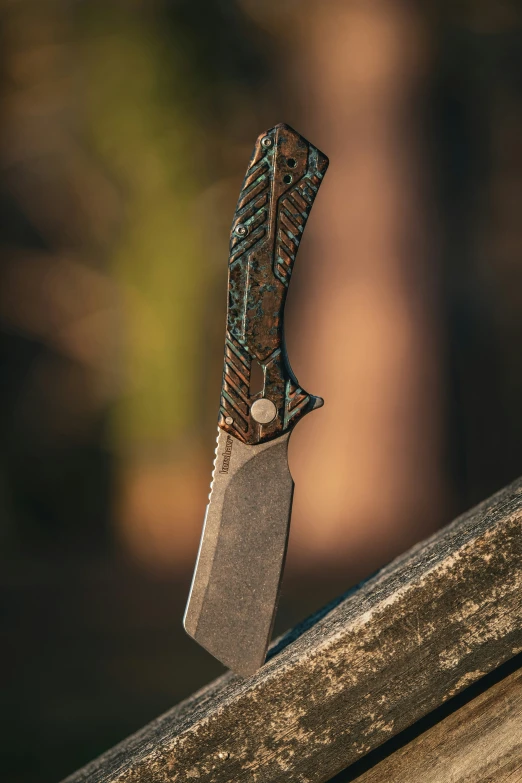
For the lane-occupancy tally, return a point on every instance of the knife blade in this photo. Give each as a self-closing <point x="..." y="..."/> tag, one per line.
<point x="235" y="588"/>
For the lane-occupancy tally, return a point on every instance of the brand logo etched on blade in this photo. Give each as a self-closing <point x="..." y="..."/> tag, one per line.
<point x="227" y="455"/>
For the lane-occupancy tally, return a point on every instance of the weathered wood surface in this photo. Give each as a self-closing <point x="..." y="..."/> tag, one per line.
<point x="425" y="627"/>
<point x="479" y="743"/>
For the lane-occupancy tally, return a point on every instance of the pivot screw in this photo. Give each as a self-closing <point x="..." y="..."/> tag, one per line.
<point x="229" y="420"/>
<point x="263" y="411"/>
<point x="266" y="142"/>
<point x="241" y="231"/>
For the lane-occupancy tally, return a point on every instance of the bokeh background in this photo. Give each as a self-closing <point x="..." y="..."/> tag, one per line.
<point x="126" y="130"/>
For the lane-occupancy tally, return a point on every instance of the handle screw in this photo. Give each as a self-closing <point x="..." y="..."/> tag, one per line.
<point x="229" y="420"/>
<point x="241" y="231"/>
<point x="266" y="142"/>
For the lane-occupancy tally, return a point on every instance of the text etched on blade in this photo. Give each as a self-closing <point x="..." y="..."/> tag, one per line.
<point x="226" y="455"/>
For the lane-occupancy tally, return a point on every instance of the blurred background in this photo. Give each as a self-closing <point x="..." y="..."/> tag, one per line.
<point x="126" y="131"/>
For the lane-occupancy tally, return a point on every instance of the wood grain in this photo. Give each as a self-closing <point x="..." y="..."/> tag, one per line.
<point x="424" y="628"/>
<point x="479" y="743"/>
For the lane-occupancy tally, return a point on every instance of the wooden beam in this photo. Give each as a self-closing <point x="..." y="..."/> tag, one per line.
<point x="424" y="628"/>
<point x="478" y="743"/>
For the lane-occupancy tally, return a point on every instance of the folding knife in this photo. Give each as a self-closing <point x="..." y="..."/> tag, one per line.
<point x="233" y="598"/>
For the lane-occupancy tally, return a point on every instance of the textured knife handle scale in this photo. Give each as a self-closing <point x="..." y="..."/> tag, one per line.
<point x="278" y="191"/>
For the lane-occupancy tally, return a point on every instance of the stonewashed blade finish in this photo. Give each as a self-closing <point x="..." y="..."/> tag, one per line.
<point x="233" y="598"/>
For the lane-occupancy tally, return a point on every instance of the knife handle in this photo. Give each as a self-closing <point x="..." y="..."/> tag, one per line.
<point x="278" y="192"/>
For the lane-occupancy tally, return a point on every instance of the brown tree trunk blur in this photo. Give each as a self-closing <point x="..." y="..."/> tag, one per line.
<point x="362" y="330"/>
